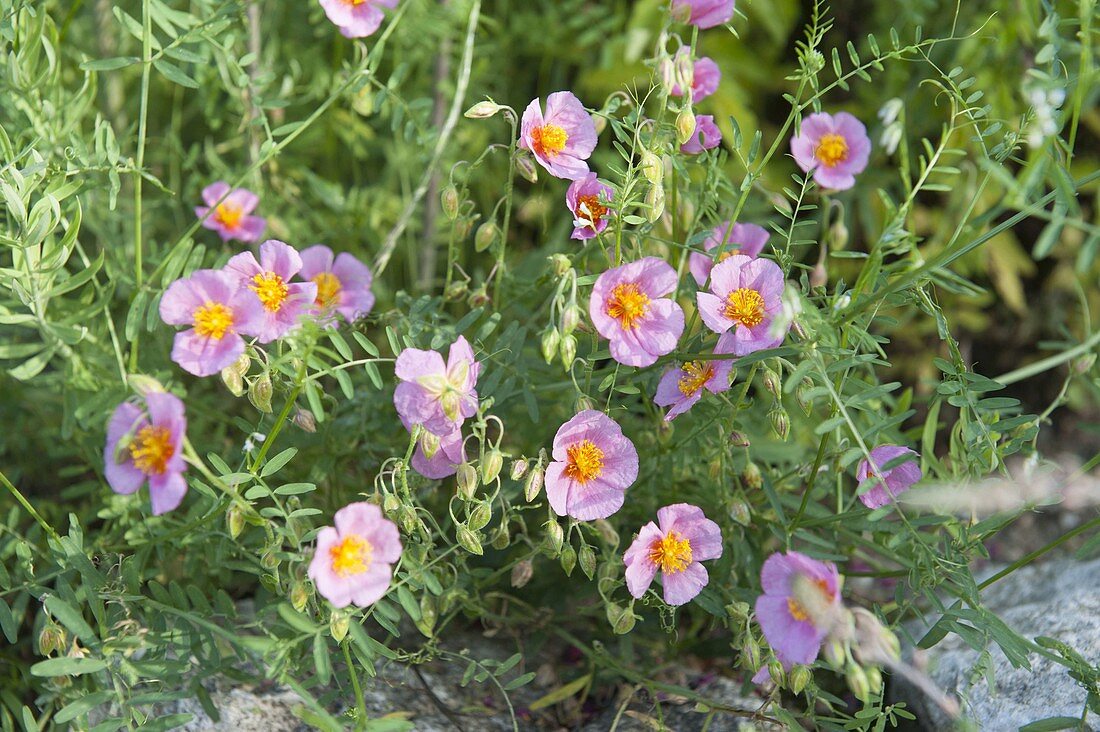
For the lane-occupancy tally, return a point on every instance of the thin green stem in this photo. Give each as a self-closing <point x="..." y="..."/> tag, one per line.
<point x="360" y="703"/>
<point x="28" y="507"/>
<point x="139" y="162"/>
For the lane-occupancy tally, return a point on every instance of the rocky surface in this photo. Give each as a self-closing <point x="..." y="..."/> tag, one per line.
<point x="1060" y="600"/>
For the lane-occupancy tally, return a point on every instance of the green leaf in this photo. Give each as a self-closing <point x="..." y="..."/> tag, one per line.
<point x="71" y="618"/>
<point x="83" y="705"/>
<point x="562" y="693"/>
<point x="7" y="622"/>
<point x="68" y="666"/>
<point x="1052" y="723"/>
<point x="110" y="64"/>
<point x="175" y="74"/>
<point x="276" y="463"/>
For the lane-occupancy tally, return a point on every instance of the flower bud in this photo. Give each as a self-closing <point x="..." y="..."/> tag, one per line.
<point x="740" y="513"/>
<point x="775" y="669"/>
<point x="560" y="263"/>
<point x="390" y="504"/>
<point x="802" y="393"/>
<point x="858" y="682"/>
<point x="586" y="558"/>
<point x="259" y="393"/>
<point x="738" y="439"/>
<point x="491" y="465"/>
<point x="874" y="679"/>
<point x="838" y="235"/>
<point x="684" y="70"/>
<point x="429" y="443"/>
<point x="751" y="476"/>
<point x="526" y="168"/>
<point x="772" y="383"/>
<point x="522" y="573"/>
<point x="429" y="613"/>
<point x="599" y="122"/>
<point x="486" y="234"/>
<point x="270" y="560"/>
<point x="583" y="403"/>
<point x="299" y="596"/>
<point x="462" y="227"/>
<point x="533" y="486"/>
<point x="835" y="653"/>
<point x="519" y="468"/>
<point x="551" y="340"/>
<point x="144" y="385"/>
<point x="469" y="541"/>
<point x="685" y="124"/>
<point x="738" y="611"/>
<point x="305" y="420"/>
<point x="819" y="276"/>
<point x="570" y="318"/>
<point x="652" y="167"/>
<point x="607" y="532"/>
<point x="751" y="652"/>
<point x="480" y="516"/>
<point x="234" y="521"/>
<point x="568" y="559"/>
<point x="483" y="110"/>
<point x="655" y="203"/>
<point x="448" y="201"/>
<point x="466" y="477"/>
<point x="568" y="351"/>
<point x="798" y="677"/>
<point x="501" y="539"/>
<point x="681" y="12"/>
<point x="1084" y="364"/>
<point x="626" y="621"/>
<point x="338" y="624"/>
<point x="51" y="639"/>
<point x="455" y="291"/>
<point x="555" y="537"/>
<point x="233" y="381"/>
<point x="478" y="297"/>
<point x="781" y="422"/>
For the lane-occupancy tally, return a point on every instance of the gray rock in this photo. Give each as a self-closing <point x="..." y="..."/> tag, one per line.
<point x="1057" y="599"/>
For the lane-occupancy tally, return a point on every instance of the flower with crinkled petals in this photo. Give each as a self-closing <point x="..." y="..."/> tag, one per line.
<point x="593" y="465"/>
<point x="353" y="560"/>
<point x="145" y="445"/>
<point x="681" y="387"/>
<point x="343" y="282"/>
<point x="800" y="606"/>
<point x="562" y="139"/>
<point x="835" y="147"/>
<point x="437" y="457"/>
<point x="437" y="395"/>
<point x="357" y="18"/>
<point x="743" y="300"/>
<point x="630" y="308"/>
<point x="705" y="76"/>
<point x="898" y="479"/>
<point x="284" y="302"/>
<point x="703" y="13"/>
<point x="675" y="545"/>
<point x="231" y="217"/>
<point x="747" y="239"/>
<point x="706" y="135"/>
<point x="219" y="312"/>
<point x="588" y="200"/>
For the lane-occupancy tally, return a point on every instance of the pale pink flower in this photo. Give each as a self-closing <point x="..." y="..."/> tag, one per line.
<point x="353" y="561"/>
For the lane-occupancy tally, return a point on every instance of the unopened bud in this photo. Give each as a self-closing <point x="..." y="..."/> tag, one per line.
<point x="338" y="624"/>
<point x="448" y="200"/>
<point x="270" y="559"/>
<point x="798" y="678"/>
<point x="51" y="639"/>
<point x="586" y="558"/>
<point x="480" y="516"/>
<point x="491" y="465"/>
<point x="259" y="393"/>
<point x="478" y="297"/>
<point x="599" y="122"/>
<point x="626" y="621"/>
<point x="838" y="235"/>
<point x="772" y="383"/>
<point x="802" y="393"/>
<point x="455" y="291"/>
<point x="835" y="653"/>
<point x="526" y="168"/>
<point x="874" y="679"/>
<point x="775" y="670"/>
<point x="468" y="540"/>
<point x="738" y="611"/>
<point x="781" y="422"/>
<point x="568" y="351"/>
<point x="299" y="596"/>
<point x="740" y="513"/>
<point x="429" y="444"/>
<point x="501" y="539"/>
<point x="681" y="12"/>
<point x="751" y="476"/>
<point x="305" y="420"/>
<point x="519" y="469"/>
<point x="570" y="317"/>
<point x="858" y="682"/>
<point x="607" y="532"/>
<point x="483" y="110"/>
<point x="819" y="276"/>
<point x="390" y="504"/>
<point x="560" y="263"/>
<point x="234" y="521"/>
<point x="463" y="227"/>
<point x="751" y="652"/>
<point x="233" y="381"/>
<point x="652" y="167"/>
<point x="522" y="573"/>
<point x="655" y="203"/>
<point x="584" y="403"/>
<point x="1084" y="364"/>
<point x="685" y="124"/>
<point x="568" y="559"/>
<point x="486" y="234"/>
<point x="551" y="341"/>
<point x="684" y="70"/>
<point x="555" y="537"/>
<point x="144" y="385"/>
<point x="533" y="486"/>
<point x="738" y="439"/>
<point x="466" y="478"/>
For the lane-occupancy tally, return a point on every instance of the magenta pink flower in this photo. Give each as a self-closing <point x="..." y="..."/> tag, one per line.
<point x="231" y="218"/>
<point x="681" y="539"/>
<point x="743" y="300"/>
<point x="284" y="302"/>
<point x="705" y="77"/>
<point x="747" y="239"/>
<point x="584" y="201"/>
<point x="799" y="607"/>
<point x="146" y="445"/>
<point x="898" y="478"/>
<point x="835" y="148"/>
<point x="704" y="13"/>
<point x="681" y="387"/>
<point x="630" y="309"/>
<point x="437" y="457"/>
<point x="563" y="139"/>
<point x="352" y="562"/>
<point x="594" y="464"/>
<point x="706" y="135"/>
<point x="356" y="18"/>
<point x="437" y="395"/>
<point x="343" y="283"/>
<point x="219" y="310"/>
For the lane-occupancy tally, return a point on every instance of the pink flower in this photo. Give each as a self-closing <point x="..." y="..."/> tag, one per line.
<point x="835" y="148"/>
<point x="704" y="13"/>
<point x="743" y="300"/>
<point x="681" y="387"/>
<point x="705" y="77"/>
<point x="219" y="311"/>
<point x="747" y="239"/>
<point x="563" y="139"/>
<point x="681" y="539"/>
<point x="283" y="301"/>
<point x="343" y="284"/>
<point x="583" y="200"/>
<point x="437" y="395"/>
<point x="799" y="607"/>
<point x="356" y="18"/>
<point x="594" y="464"/>
<point x="437" y="457"/>
<point x="706" y="135"/>
<point x="231" y="217"/>
<point x="898" y="479"/>
<point x="352" y="563"/>
<point x="629" y="308"/>
<point x="145" y="445"/>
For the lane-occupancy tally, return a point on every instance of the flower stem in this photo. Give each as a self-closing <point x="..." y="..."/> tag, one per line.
<point x="29" y="508"/>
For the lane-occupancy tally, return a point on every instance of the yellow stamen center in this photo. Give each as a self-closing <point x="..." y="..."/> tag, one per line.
<point x="727" y="254"/>
<point x="810" y="599"/>
<point x="271" y="290"/>
<point x="696" y="374"/>
<point x="584" y="461"/>
<point x="745" y="306"/>
<point x="796" y="610"/>
<point x="831" y="149"/>
<point x="151" y="449"/>
<point x="212" y="320"/>
<point x="351" y="555"/>
<point x="671" y="553"/>
<point x="228" y="215"/>
<point x="328" y="289"/>
<point x="628" y="304"/>
<point x="548" y="140"/>
<point x="590" y="209"/>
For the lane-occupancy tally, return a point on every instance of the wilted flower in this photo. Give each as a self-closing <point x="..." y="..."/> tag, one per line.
<point x="437" y="395"/>
<point x="343" y="282"/>
<point x="681" y="387"/>
<point x="594" y="464"/>
<point x="145" y="445"/>
<point x="898" y="479"/>
<point x="705" y="76"/>
<point x="681" y="539"/>
<point x="703" y="13"/>
<point x="232" y="217"/>
<point x="835" y="148"/>
<point x="284" y="302"/>
<point x="744" y="297"/>
<point x="747" y="239"/>
<point x="356" y="18"/>
<point x="706" y="135"/>
<point x="563" y="139"/>
<point x="629" y="308"/>
<point x="583" y="200"/>
<point x="352" y="562"/>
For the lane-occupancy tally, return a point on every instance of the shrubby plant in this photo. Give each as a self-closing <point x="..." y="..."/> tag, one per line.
<point x="243" y="242"/>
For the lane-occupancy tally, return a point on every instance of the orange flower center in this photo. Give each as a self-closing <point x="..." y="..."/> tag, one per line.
<point x="271" y="290"/>
<point x="796" y="610"/>
<point x="745" y="306"/>
<point x="831" y="149"/>
<point x="590" y="209"/>
<point x="671" y="553"/>
<point x="548" y="140"/>
<point x="584" y="461"/>
<point x="628" y="305"/>
<point x="328" y="289"/>
<point x="351" y="555"/>
<point x="809" y="597"/>
<point x="228" y="215"/>
<point x="212" y="320"/>
<point x="696" y="374"/>
<point x="151" y="449"/>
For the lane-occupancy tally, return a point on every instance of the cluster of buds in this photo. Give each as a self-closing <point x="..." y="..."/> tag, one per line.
<point x="558" y="339"/>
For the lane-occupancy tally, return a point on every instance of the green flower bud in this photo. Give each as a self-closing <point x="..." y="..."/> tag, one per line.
<point x="584" y="403"/>
<point x="858" y="682"/>
<point x="838" y="235"/>
<point x="570" y="317"/>
<point x="478" y="297"/>
<point x="802" y="393"/>
<point x="568" y="351"/>
<point x="551" y="341"/>
<point x="467" y="480"/>
<point x="740" y="513"/>
<point x="874" y="679"/>
<point x="775" y="668"/>
<point x="560" y="263"/>
<point x="483" y="110"/>
<point x="655" y="203"/>
<point x="51" y="639"/>
<point x="685" y="124"/>
<point x="781" y="422"/>
<point x="522" y="573"/>
<point x="526" y="168"/>
<point x="259" y="393"/>
<point x="480" y="516"/>
<point x="487" y="233"/>
<point x="448" y="201"/>
<point x="233" y="381"/>
<point x="390" y="504"/>
<point x="555" y="537"/>
<point x="491" y="465"/>
<point x="568" y="559"/>
<point x="305" y="420"/>
<point x="455" y="291"/>
<point x="299" y="596"/>
<point x="652" y="167"/>
<point x="338" y="624"/>
<point x="798" y="678"/>
<point x="835" y="653"/>
<point x="234" y="521"/>
<point x="144" y="385"/>
<point x="738" y="611"/>
<point x="501" y="539"/>
<point x="607" y="532"/>
<point x="626" y="621"/>
<point x="738" y="439"/>
<point x="586" y="558"/>
<point x="772" y="383"/>
<point x="519" y="469"/>
<point x="751" y="476"/>
<point x="468" y="540"/>
<point x="751" y="652"/>
<point x="533" y="486"/>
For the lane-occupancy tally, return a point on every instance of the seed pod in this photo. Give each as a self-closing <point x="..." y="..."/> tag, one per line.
<point x="570" y="318"/>
<point x="551" y="340"/>
<point x="463" y="227"/>
<point x="448" y="201"/>
<point x="586" y="558"/>
<point x="338" y="624"/>
<point x="479" y="297"/>
<point x="772" y="383"/>
<point x="234" y="521"/>
<point x="491" y="465"/>
<point x="526" y="168"/>
<point x="533" y="486"/>
<point x="568" y="351"/>
<point x="751" y="476"/>
<point x="299" y="596"/>
<point x="568" y="559"/>
<point x="522" y="573"/>
<point x="685" y="124"/>
<point x="469" y="541"/>
<point x="483" y="110"/>
<point x="466" y="478"/>
<point x="259" y="393"/>
<point x="480" y="516"/>
<point x="305" y="420"/>
<point x="781" y="422"/>
<point x="519" y="468"/>
<point x="486" y="234"/>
